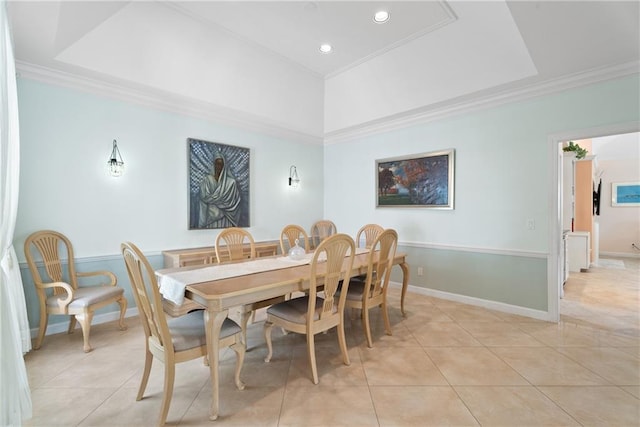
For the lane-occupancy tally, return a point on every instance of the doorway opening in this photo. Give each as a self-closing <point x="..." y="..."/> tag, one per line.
<point x="557" y="256"/>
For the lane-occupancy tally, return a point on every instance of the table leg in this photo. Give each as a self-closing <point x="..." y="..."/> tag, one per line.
<point x="405" y="284"/>
<point x="213" y="323"/>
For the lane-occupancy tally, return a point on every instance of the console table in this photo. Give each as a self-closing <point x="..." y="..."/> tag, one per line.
<point x="207" y="255"/>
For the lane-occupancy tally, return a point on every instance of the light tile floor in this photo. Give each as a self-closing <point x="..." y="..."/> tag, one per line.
<point x="446" y="364"/>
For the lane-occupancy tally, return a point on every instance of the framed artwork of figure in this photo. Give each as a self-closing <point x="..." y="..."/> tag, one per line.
<point x="218" y="184"/>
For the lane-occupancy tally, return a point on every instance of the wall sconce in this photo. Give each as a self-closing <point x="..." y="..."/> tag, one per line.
<point x="293" y="177"/>
<point x="115" y="163"/>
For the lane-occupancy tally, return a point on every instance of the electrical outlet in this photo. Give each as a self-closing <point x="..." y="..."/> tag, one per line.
<point x="531" y="224"/>
<point x="420" y="271"/>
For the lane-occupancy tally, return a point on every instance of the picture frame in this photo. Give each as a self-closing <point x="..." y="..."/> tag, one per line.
<point x="220" y="201"/>
<point x="424" y="180"/>
<point x="625" y="194"/>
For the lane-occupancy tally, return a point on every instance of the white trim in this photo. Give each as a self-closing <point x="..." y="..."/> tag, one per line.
<point x="482" y="250"/>
<point x="441" y="111"/>
<point x="60" y="327"/>
<point x="554" y="275"/>
<point x="164" y="101"/>
<point x="491" y="305"/>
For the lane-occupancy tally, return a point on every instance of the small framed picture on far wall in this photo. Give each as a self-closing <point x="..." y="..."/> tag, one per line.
<point x="625" y="194"/>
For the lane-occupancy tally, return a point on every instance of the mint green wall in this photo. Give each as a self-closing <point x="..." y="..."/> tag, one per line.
<point x="66" y="139"/>
<point x="501" y="181"/>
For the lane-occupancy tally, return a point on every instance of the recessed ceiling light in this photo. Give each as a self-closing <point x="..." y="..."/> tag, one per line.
<point x="381" y="17"/>
<point x="325" y="48"/>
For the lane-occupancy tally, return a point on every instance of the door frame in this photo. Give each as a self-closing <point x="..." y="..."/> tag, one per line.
<point x="554" y="216"/>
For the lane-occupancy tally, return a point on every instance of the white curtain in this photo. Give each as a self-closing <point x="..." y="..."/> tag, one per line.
<point x="15" y="339"/>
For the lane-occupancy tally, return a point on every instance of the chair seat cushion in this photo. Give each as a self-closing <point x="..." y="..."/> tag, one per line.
<point x="86" y="296"/>
<point x="295" y="310"/>
<point x="188" y="331"/>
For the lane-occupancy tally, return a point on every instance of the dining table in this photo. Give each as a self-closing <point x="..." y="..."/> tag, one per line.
<point x="221" y="287"/>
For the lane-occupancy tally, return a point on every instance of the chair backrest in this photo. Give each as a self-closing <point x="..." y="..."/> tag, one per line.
<point x="288" y="237"/>
<point x="320" y="230"/>
<point x="234" y="239"/>
<point x="147" y="295"/>
<point x="383" y="251"/>
<point x="370" y="231"/>
<point x="51" y="247"/>
<point x="333" y="257"/>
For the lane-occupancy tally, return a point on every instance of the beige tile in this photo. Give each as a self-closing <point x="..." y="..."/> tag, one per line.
<point x="618" y="367"/>
<point x="399" y="366"/>
<point x="400" y="335"/>
<point x="429" y="314"/>
<point x="65" y="406"/>
<point x="121" y="408"/>
<point x="420" y="406"/>
<point x="253" y="406"/>
<point x="597" y="406"/>
<point x="513" y="406"/>
<point x="632" y="390"/>
<point x="499" y="334"/>
<point x="331" y="368"/>
<point x="546" y="366"/>
<point x="191" y="374"/>
<point x="473" y="366"/>
<point x="463" y="312"/>
<point x="564" y="334"/>
<point x="443" y="334"/>
<point x="90" y="371"/>
<point x="327" y="406"/>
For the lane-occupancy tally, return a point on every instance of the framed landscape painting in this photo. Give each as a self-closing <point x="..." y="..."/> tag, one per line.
<point x="423" y="180"/>
<point x="218" y="184"/>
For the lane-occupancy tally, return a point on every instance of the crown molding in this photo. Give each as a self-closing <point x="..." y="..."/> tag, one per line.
<point x="441" y="111"/>
<point x="157" y="99"/>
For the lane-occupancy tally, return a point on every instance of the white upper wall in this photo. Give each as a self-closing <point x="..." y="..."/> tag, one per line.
<point x="151" y="47"/>
<point x="482" y="49"/>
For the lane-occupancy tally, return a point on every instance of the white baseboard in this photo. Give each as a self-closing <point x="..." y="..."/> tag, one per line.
<point x="60" y="327"/>
<point x="491" y="305"/>
<point x="620" y="254"/>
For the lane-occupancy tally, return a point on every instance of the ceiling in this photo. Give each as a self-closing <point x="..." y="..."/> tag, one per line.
<point x="260" y="61"/>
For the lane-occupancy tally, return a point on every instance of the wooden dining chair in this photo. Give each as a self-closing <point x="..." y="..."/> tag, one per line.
<point x="369" y="232"/>
<point x="320" y="230"/>
<point x="171" y="340"/>
<point x="67" y="295"/>
<point x="230" y="246"/>
<point x="312" y="314"/>
<point x="288" y="236"/>
<point x="373" y="291"/>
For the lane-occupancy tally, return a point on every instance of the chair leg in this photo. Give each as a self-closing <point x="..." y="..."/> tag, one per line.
<point x="239" y="348"/>
<point x="148" y="361"/>
<point x="385" y="315"/>
<point x="122" y="302"/>
<point x="85" y="322"/>
<point x="72" y="324"/>
<point x="367" y="327"/>
<point x="169" y="377"/>
<point x="311" y="352"/>
<point x="268" y="326"/>
<point x="44" y="318"/>
<point x="343" y="342"/>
